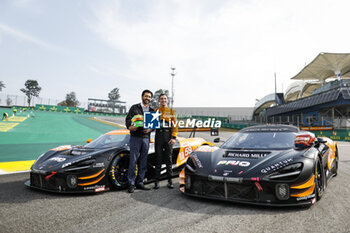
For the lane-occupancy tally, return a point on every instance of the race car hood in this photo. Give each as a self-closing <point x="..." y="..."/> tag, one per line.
<point x="245" y="163"/>
<point x="57" y="159"/>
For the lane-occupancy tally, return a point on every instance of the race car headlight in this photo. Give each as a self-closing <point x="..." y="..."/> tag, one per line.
<point x="193" y="163"/>
<point x="282" y="191"/>
<point x="288" y="172"/>
<point x="84" y="164"/>
<point x="196" y="161"/>
<point x="292" y="167"/>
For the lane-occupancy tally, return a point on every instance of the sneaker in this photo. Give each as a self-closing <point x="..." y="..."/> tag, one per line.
<point x="142" y="187"/>
<point x="170" y="185"/>
<point x="156" y="184"/>
<point x="131" y="189"/>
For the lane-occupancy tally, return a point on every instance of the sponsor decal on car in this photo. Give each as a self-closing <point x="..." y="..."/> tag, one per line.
<point x="207" y="148"/>
<point x="98" y="165"/>
<point x="277" y="165"/>
<point x="100" y="189"/>
<point x="306" y="197"/>
<point x="57" y="159"/>
<point x="75" y="161"/>
<point x="234" y="163"/>
<point x="94" y="187"/>
<point x="66" y="165"/>
<point x="226" y="172"/>
<point x="248" y="155"/>
<point x="185" y="151"/>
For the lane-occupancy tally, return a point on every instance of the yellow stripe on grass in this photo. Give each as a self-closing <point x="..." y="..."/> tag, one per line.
<point x="16" y="118"/>
<point x="16" y="166"/>
<point x="4" y="127"/>
<point x="107" y="122"/>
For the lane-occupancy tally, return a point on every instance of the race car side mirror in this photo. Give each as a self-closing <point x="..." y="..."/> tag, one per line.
<point x="89" y="140"/>
<point x="214" y="131"/>
<point x="304" y="140"/>
<point x="321" y="140"/>
<point x="216" y="140"/>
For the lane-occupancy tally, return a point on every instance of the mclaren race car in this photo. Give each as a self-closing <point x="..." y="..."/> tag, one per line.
<point x="100" y="165"/>
<point x="265" y="165"/>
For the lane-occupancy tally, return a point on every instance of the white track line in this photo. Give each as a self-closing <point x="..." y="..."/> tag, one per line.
<point x="7" y="173"/>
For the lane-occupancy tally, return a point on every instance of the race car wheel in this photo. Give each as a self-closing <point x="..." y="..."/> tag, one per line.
<point x="118" y="172"/>
<point x="336" y="162"/>
<point x="319" y="179"/>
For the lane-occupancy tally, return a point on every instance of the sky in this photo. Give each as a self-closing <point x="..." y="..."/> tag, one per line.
<point x="225" y="52"/>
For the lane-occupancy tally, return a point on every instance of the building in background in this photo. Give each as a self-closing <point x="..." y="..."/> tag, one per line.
<point x="320" y="97"/>
<point x="106" y="106"/>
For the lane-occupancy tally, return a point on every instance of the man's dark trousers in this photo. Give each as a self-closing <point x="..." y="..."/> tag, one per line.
<point x="138" y="152"/>
<point x="163" y="151"/>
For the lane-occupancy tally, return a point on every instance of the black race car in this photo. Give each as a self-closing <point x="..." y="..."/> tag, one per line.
<point x="265" y="165"/>
<point x="99" y="165"/>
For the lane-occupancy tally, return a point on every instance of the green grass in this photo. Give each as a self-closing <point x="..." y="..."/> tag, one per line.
<point x="45" y="130"/>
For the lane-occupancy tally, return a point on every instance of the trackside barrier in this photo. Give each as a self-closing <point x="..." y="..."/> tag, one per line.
<point x="53" y="108"/>
<point x="336" y="134"/>
<point x="72" y="110"/>
<point x="236" y="126"/>
<point x="204" y="118"/>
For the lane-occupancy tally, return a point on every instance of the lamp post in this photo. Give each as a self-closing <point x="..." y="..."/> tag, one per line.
<point x="172" y="86"/>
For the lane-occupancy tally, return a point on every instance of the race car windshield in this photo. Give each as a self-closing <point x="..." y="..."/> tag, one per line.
<point x="105" y="141"/>
<point x="260" y="140"/>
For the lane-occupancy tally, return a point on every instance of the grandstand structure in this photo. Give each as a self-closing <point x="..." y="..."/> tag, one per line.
<point x="320" y="97"/>
<point x="106" y="106"/>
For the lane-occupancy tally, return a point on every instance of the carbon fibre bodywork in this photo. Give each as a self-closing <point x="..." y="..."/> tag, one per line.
<point x="100" y="165"/>
<point x="276" y="176"/>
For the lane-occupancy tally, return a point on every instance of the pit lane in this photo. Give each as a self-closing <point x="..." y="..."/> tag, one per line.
<point x="26" y="210"/>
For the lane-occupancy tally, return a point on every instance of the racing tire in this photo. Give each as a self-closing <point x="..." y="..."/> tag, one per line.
<point x="319" y="179"/>
<point x="118" y="172"/>
<point x="336" y="162"/>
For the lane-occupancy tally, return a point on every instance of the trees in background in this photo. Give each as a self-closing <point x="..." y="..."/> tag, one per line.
<point x="114" y="94"/>
<point x="154" y="102"/>
<point x="2" y="85"/>
<point x="70" y="101"/>
<point x="31" y="89"/>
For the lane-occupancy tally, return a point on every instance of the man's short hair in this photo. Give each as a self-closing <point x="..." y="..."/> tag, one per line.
<point x="162" y="95"/>
<point x="147" y="91"/>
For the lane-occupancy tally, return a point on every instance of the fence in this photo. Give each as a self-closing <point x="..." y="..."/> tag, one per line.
<point x="336" y="122"/>
<point x="18" y="100"/>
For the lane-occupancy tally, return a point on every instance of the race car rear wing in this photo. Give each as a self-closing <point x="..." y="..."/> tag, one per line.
<point x="213" y="131"/>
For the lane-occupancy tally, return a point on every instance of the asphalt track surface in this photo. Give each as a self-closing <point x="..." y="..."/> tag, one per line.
<point x="164" y="210"/>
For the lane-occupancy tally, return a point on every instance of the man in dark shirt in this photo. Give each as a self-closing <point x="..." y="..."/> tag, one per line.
<point x="139" y="143"/>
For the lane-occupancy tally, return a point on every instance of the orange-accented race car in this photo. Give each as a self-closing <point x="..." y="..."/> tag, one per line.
<point x="100" y="165"/>
<point x="265" y="165"/>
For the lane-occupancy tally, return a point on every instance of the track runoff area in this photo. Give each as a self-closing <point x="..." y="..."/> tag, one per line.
<point x="27" y="134"/>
